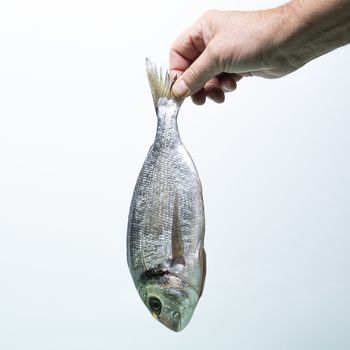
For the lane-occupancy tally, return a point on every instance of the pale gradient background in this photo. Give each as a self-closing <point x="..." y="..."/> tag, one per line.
<point x="76" y="122"/>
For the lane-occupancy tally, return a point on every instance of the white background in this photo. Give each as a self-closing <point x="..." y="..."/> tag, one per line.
<point x="76" y="122"/>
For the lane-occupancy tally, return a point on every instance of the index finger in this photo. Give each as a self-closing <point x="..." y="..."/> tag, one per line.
<point x="185" y="49"/>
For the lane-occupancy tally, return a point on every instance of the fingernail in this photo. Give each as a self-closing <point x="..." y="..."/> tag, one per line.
<point x="180" y="88"/>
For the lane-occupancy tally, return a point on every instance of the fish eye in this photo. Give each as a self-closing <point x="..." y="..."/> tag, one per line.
<point x="155" y="305"/>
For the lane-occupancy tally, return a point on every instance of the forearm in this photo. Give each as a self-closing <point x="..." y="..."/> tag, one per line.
<point x="313" y="28"/>
<point x="269" y="43"/>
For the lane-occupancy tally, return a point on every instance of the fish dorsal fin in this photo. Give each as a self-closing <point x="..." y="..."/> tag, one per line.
<point x="160" y="84"/>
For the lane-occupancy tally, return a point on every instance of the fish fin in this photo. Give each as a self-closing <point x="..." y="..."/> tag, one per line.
<point x="178" y="263"/>
<point x="177" y="244"/>
<point x="178" y="260"/>
<point x="203" y="262"/>
<point x="161" y="85"/>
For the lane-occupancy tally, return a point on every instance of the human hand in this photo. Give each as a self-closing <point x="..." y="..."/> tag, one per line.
<point x="212" y="55"/>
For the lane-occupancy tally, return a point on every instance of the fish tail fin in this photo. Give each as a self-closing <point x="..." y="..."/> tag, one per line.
<point x="160" y="84"/>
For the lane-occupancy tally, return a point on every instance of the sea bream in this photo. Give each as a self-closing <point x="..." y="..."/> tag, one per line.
<point x="165" y="239"/>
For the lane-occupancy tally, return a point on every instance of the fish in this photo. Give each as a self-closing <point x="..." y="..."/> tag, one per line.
<point x="166" y="224"/>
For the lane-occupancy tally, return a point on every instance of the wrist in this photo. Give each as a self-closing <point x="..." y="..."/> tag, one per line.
<point x="288" y="27"/>
<point x="309" y="29"/>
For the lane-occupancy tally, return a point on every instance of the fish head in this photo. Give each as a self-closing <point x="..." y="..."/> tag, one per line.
<point x="169" y="300"/>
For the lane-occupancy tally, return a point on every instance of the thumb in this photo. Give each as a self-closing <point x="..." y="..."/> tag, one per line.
<point x="194" y="77"/>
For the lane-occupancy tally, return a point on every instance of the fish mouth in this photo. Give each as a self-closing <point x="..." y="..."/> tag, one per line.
<point x="174" y="323"/>
<point x="177" y="322"/>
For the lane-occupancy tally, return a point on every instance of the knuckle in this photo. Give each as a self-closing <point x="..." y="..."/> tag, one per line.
<point x="209" y="13"/>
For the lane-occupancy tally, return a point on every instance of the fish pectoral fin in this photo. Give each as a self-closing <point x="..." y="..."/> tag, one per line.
<point x="178" y="260"/>
<point x="177" y="244"/>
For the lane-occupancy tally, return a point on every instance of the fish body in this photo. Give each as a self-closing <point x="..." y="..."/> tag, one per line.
<point x="165" y="239"/>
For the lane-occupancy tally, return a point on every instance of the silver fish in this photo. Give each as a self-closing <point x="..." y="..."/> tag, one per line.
<point x="165" y="240"/>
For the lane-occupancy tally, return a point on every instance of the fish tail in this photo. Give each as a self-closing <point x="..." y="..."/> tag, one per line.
<point x="160" y="84"/>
